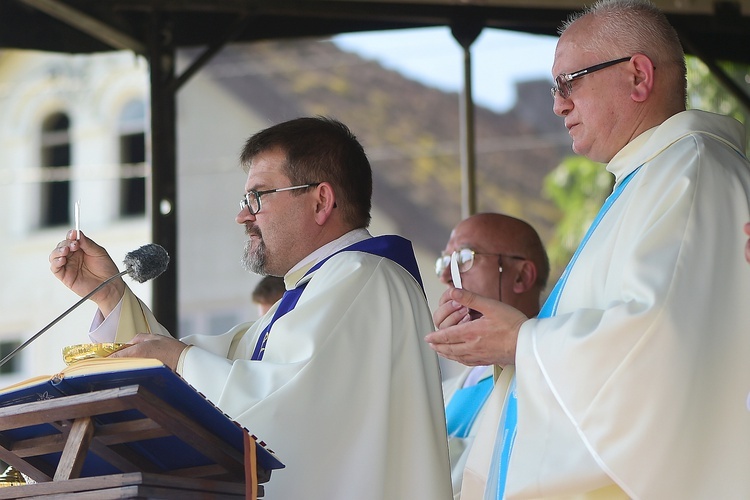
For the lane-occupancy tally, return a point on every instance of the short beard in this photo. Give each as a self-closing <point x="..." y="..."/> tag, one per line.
<point x="255" y="260"/>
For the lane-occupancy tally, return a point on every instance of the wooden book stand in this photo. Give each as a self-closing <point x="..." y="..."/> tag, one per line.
<point x="122" y="442"/>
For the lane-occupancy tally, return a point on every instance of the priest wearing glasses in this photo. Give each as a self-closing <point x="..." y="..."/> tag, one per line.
<point x="336" y="377"/>
<point x="633" y="380"/>
<point x="501" y="258"/>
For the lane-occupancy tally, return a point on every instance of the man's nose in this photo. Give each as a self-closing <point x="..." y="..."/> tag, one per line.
<point x="445" y="276"/>
<point x="244" y="215"/>
<point x="560" y="105"/>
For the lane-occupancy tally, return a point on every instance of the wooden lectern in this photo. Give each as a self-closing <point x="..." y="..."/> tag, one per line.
<point x="153" y="438"/>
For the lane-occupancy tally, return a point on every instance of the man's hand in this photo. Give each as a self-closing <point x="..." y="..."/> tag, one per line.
<point x="147" y="345"/>
<point x="82" y="265"/>
<point x="490" y="339"/>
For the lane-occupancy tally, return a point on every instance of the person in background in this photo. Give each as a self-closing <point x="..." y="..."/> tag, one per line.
<point x="267" y="292"/>
<point x="632" y="382"/>
<point x="747" y="245"/>
<point x="336" y="377"/>
<point x="501" y="258"/>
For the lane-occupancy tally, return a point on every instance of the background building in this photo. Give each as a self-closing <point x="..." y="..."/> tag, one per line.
<point x="76" y="128"/>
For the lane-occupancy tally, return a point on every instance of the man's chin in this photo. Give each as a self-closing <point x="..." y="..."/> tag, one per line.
<point x="253" y="262"/>
<point x="254" y="267"/>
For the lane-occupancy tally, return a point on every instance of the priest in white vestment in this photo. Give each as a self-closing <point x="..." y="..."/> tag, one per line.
<point x="634" y="379"/>
<point x="502" y="258"/>
<point x="335" y="378"/>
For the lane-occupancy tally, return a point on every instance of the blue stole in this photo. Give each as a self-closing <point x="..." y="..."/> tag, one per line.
<point x="464" y="406"/>
<point x="507" y="431"/>
<point x="391" y="247"/>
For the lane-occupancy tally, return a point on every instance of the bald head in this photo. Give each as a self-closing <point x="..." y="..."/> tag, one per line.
<point x="509" y="235"/>
<point x="510" y="263"/>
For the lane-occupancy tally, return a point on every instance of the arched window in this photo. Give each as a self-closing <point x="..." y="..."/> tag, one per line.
<point x="132" y="126"/>
<point x="55" y="159"/>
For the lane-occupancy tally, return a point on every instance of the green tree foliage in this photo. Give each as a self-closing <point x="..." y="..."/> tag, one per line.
<point x="706" y="92"/>
<point x="578" y="186"/>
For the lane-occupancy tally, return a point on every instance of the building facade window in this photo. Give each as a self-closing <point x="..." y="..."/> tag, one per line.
<point x="12" y="365"/>
<point x="55" y="161"/>
<point x="132" y="126"/>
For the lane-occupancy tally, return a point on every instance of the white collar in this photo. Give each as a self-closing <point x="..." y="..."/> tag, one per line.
<point x="295" y="273"/>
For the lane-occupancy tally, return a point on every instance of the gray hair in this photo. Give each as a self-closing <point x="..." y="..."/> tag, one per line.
<point x="628" y="27"/>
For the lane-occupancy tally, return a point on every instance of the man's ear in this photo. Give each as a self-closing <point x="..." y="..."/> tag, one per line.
<point x="525" y="277"/>
<point x="642" y="74"/>
<point x="325" y="202"/>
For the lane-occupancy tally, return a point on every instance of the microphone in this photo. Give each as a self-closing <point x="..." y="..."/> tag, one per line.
<point x="146" y="263"/>
<point x="141" y="265"/>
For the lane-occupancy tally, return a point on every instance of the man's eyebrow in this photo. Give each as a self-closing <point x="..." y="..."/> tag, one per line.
<point x="258" y="186"/>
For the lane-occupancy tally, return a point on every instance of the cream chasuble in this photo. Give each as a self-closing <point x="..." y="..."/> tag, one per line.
<point x="639" y="385"/>
<point x="347" y="394"/>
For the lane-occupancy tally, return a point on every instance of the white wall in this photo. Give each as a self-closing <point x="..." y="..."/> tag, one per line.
<point x="91" y="91"/>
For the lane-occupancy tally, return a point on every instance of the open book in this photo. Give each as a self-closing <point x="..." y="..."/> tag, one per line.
<point x="147" y="418"/>
<point x="86" y="366"/>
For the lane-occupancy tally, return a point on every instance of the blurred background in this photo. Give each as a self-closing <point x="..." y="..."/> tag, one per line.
<point x="78" y="128"/>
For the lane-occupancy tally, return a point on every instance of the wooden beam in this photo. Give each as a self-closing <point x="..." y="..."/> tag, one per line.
<point x="87" y="24"/>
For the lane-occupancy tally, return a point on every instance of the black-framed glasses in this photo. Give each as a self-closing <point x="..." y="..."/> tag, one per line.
<point x="251" y="200"/>
<point x="563" y="85"/>
<point x="465" y="259"/>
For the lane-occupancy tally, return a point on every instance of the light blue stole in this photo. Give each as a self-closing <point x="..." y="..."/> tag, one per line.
<point x="464" y="407"/>
<point x="506" y="435"/>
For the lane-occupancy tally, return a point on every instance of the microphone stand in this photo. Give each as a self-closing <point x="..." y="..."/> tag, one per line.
<point x="54" y="322"/>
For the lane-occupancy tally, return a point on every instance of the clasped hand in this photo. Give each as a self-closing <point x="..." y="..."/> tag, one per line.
<point x="488" y="340"/>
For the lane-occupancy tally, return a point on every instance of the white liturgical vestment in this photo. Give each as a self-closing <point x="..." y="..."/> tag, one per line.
<point x="347" y="394"/>
<point x="462" y="415"/>
<point x="639" y="385"/>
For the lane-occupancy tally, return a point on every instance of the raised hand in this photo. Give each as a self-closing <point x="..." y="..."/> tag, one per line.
<point x="489" y="339"/>
<point x="82" y="265"/>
